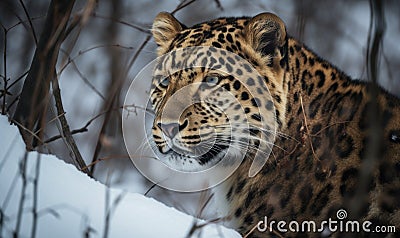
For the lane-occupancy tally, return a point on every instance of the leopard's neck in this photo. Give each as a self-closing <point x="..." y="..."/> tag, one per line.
<point x="313" y="79"/>
<point x="321" y="98"/>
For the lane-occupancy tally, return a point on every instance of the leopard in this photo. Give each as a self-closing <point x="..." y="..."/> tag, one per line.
<point x="337" y="140"/>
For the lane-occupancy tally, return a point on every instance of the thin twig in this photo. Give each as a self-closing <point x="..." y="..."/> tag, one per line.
<point x="251" y="231"/>
<point x="140" y="49"/>
<point x="151" y="188"/>
<point x="106" y="206"/>
<point x="307" y="129"/>
<point x="81" y="52"/>
<point x="205" y="204"/>
<point x="116" y="157"/>
<point x="27" y="130"/>
<point x="73" y="132"/>
<point x="23" y="21"/>
<point x="328" y="126"/>
<point x="127" y="108"/>
<point x="86" y="81"/>
<point x="80" y="130"/>
<point x="79" y="20"/>
<point x="22" y="171"/>
<point x="88" y="123"/>
<point x="219" y="5"/>
<point x="18" y="79"/>
<point x="255" y="227"/>
<point x="196" y="226"/>
<point x="182" y="5"/>
<point x="123" y="23"/>
<point x="35" y="196"/>
<point x="5" y="72"/>
<point x="29" y="21"/>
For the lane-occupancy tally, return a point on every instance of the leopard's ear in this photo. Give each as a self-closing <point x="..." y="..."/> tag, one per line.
<point x="266" y="33"/>
<point x="165" y="28"/>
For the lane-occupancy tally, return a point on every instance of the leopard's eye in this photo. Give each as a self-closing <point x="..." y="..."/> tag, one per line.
<point x="211" y="80"/>
<point x="165" y="82"/>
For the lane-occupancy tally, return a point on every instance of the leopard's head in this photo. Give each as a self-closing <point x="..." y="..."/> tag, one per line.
<point x="218" y="89"/>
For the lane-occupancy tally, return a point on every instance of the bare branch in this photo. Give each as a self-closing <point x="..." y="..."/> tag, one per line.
<point x="79" y="20"/>
<point x="151" y="188"/>
<point x="85" y="127"/>
<point x="81" y="52"/>
<point x="136" y="27"/>
<point x="182" y="5"/>
<point x="22" y="22"/>
<point x="86" y="81"/>
<point x="65" y="129"/>
<point x="219" y="5"/>
<point x="134" y="58"/>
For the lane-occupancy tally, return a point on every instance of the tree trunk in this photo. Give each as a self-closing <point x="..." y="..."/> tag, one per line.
<point x="32" y="106"/>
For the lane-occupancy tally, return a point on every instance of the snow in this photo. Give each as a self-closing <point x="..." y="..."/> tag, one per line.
<point x="71" y="204"/>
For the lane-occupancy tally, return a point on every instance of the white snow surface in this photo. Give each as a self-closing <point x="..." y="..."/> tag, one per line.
<point x="71" y="204"/>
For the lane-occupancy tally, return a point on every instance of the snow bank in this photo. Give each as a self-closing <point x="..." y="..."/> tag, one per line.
<point x="70" y="204"/>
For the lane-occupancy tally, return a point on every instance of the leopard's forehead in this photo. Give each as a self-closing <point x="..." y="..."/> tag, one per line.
<point x="221" y="33"/>
<point x="208" y="44"/>
<point x="200" y="60"/>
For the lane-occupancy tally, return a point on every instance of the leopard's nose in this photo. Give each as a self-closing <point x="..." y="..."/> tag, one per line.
<point x="171" y="129"/>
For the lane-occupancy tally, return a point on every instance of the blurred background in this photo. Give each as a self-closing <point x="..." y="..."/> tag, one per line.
<point x="111" y="43"/>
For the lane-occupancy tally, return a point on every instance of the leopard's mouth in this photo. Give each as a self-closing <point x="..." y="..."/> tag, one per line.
<point x="205" y="155"/>
<point x="215" y="154"/>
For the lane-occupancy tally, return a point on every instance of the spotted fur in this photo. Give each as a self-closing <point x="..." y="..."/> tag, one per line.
<point x="323" y="126"/>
